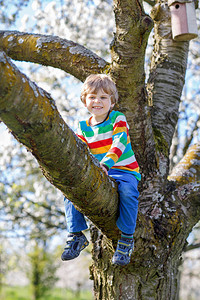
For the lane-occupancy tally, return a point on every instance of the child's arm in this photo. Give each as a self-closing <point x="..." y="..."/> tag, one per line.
<point x="120" y="139"/>
<point x="80" y="135"/>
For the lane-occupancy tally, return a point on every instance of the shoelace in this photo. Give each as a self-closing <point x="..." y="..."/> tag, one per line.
<point x="69" y="240"/>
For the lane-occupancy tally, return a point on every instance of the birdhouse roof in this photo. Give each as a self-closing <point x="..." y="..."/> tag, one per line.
<point x="170" y="2"/>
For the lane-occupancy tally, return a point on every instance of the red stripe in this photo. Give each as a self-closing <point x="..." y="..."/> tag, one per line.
<point x="101" y="143"/>
<point x="120" y="124"/>
<point x="133" y="165"/>
<point x="116" y="151"/>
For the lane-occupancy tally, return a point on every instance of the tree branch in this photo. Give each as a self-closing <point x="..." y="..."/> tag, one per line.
<point x="52" y="51"/>
<point x="188" y="169"/>
<point x="150" y="2"/>
<point x="186" y="176"/>
<point x="192" y="247"/>
<point x="133" y="27"/>
<point x="31" y="115"/>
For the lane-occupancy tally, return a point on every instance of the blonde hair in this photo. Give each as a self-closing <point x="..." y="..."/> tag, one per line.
<point x="99" y="81"/>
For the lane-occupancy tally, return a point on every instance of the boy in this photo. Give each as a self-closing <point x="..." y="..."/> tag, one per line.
<point x="106" y="135"/>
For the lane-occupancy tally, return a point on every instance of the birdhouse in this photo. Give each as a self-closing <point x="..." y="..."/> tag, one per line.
<point x="183" y="20"/>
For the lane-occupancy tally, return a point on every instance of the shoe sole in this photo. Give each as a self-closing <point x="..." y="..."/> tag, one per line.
<point x="84" y="245"/>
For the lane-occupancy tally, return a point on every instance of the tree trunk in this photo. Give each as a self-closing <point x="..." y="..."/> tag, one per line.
<point x="125" y="285"/>
<point x="143" y="279"/>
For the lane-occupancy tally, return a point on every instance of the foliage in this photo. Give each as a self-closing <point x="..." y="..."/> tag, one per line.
<point x="8" y="259"/>
<point x="10" y="10"/>
<point x="42" y="272"/>
<point x="27" y="198"/>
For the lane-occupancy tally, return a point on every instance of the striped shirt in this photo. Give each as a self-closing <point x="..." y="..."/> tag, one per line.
<point x="109" y="142"/>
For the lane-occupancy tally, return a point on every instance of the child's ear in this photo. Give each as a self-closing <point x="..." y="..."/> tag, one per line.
<point x="112" y="101"/>
<point x="84" y="102"/>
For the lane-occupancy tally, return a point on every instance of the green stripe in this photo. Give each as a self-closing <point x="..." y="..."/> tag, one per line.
<point x="125" y="155"/>
<point x="115" y="115"/>
<point x="88" y="133"/>
<point x="123" y="141"/>
<point x="105" y="129"/>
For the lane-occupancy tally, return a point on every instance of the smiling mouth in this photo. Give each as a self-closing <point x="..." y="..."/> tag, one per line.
<point x="97" y="107"/>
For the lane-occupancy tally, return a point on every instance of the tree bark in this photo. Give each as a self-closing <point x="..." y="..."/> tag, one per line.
<point x="133" y="27"/>
<point x="52" y="51"/>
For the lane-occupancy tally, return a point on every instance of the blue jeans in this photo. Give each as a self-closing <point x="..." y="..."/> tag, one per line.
<point x="128" y="205"/>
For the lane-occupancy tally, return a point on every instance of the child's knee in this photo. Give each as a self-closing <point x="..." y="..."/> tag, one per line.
<point x="127" y="191"/>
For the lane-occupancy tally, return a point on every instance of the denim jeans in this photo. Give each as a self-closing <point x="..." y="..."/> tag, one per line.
<point x="128" y="205"/>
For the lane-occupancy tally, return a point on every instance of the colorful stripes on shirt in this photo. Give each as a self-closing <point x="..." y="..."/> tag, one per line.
<point x="109" y="142"/>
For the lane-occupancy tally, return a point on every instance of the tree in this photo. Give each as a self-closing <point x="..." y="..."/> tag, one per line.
<point x="8" y="261"/>
<point x="27" y="198"/>
<point x="42" y="271"/>
<point x="169" y="206"/>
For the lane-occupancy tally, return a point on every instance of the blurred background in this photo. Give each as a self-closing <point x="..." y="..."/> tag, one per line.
<point x="32" y="221"/>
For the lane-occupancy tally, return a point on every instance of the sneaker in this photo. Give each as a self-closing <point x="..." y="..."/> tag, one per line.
<point x="122" y="255"/>
<point x="74" y="245"/>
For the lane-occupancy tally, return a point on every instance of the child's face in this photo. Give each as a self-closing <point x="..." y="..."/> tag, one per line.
<point x="98" y="104"/>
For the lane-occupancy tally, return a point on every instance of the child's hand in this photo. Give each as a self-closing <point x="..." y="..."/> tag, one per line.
<point x="103" y="168"/>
